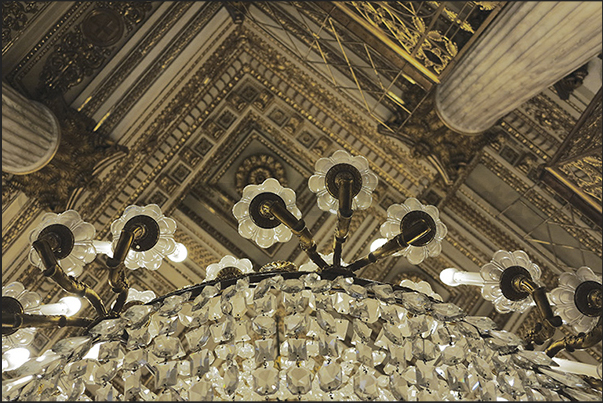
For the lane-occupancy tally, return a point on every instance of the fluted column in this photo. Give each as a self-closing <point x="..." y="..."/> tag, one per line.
<point x="30" y="133"/>
<point x="529" y="46"/>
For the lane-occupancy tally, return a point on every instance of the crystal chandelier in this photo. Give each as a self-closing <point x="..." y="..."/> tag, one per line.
<point x="278" y="332"/>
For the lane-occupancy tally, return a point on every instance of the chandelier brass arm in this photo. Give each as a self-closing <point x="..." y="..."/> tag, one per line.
<point x="413" y="233"/>
<point x="54" y="271"/>
<point x="119" y="284"/>
<point x="344" y="216"/>
<point x="298" y="227"/>
<point x="516" y="283"/>
<point x="581" y="341"/>
<point x="16" y="320"/>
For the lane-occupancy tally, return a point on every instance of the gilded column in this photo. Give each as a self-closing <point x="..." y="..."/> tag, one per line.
<point x="529" y="46"/>
<point x="30" y="133"/>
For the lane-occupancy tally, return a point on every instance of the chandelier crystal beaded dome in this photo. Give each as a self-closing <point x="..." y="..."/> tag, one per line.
<point x="282" y="333"/>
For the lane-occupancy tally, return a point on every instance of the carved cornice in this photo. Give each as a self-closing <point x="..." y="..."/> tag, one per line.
<point x="549" y="115"/>
<point x="124" y="105"/>
<point x="213" y="232"/>
<point x="462" y="244"/>
<point x="83" y="50"/>
<point x="166" y="121"/>
<point x="146" y="45"/>
<point x="30" y="210"/>
<point x="17" y="16"/>
<point x="15" y="77"/>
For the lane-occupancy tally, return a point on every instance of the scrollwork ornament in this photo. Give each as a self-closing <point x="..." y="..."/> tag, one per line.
<point x="15" y="17"/>
<point x="85" y="49"/>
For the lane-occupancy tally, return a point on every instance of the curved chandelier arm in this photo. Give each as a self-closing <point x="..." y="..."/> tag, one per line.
<point x="119" y="284"/>
<point x="526" y="284"/>
<point x="53" y="270"/>
<point x="16" y="320"/>
<point x="122" y="248"/>
<point x="298" y="227"/>
<point x="581" y="341"/>
<point x="414" y="232"/>
<point x="344" y="216"/>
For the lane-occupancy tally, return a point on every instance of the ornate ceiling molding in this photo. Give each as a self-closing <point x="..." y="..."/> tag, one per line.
<point x="575" y="170"/>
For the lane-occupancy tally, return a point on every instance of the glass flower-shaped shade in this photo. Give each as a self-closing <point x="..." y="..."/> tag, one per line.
<point x="245" y="265"/>
<point x="153" y="257"/>
<point x="30" y="301"/>
<point x="565" y="304"/>
<point x="318" y="182"/>
<point x="492" y="271"/>
<point x="391" y="227"/>
<point x="83" y="251"/>
<point x="264" y="237"/>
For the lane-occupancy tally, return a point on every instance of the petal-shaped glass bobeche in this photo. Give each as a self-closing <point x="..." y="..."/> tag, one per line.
<point x="264" y="237"/>
<point x="30" y="302"/>
<point x="152" y="258"/>
<point x="317" y="182"/>
<point x="212" y="271"/>
<point x="391" y="227"/>
<point x="491" y="273"/>
<point x="83" y="251"/>
<point x="564" y="302"/>
<point x="268" y="338"/>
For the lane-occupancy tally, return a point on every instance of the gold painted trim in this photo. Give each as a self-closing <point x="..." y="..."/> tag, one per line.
<point x="588" y="199"/>
<point x="381" y="36"/>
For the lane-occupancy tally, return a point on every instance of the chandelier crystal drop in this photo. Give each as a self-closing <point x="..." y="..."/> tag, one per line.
<point x="354" y="350"/>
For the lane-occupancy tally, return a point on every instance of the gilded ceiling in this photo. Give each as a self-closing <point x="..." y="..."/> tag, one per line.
<point x="182" y="104"/>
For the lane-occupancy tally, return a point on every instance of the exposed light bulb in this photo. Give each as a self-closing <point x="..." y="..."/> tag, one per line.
<point x="72" y="305"/>
<point x="454" y="277"/>
<point x="447" y="276"/>
<point x="14" y="358"/>
<point x="578" y="367"/>
<point x="377" y="243"/>
<point x="180" y="254"/>
<point x="103" y="247"/>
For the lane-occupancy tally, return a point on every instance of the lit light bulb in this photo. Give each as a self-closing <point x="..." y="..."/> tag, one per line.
<point x="67" y="306"/>
<point x="578" y="367"/>
<point x="454" y="277"/>
<point x="377" y="243"/>
<point x="447" y="276"/>
<point x="103" y="247"/>
<point x="14" y="358"/>
<point x="72" y="305"/>
<point x="180" y="254"/>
